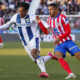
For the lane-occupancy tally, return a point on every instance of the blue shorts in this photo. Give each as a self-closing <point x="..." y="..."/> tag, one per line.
<point x="68" y="46"/>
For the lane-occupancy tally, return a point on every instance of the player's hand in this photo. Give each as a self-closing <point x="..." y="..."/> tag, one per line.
<point x="38" y="19"/>
<point x="56" y="41"/>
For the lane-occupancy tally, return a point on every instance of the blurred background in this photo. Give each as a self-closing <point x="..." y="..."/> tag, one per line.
<point x="70" y="8"/>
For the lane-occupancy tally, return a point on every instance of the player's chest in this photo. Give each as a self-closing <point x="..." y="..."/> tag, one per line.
<point x="56" y="27"/>
<point x="24" y="23"/>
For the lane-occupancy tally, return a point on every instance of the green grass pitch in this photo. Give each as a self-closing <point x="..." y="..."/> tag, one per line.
<point x="16" y="65"/>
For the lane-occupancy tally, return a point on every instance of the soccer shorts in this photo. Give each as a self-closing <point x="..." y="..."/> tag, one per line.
<point x="33" y="44"/>
<point x="68" y="46"/>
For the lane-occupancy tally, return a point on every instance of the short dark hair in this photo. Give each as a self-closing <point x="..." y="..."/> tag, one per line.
<point x="53" y="4"/>
<point x="24" y="5"/>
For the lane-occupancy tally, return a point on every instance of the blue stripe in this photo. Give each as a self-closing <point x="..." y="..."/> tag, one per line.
<point x="29" y="32"/>
<point x="37" y="57"/>
<point x="22" y="37"/>
<point x="37" y="43"/>
<point x="18" y="19"/>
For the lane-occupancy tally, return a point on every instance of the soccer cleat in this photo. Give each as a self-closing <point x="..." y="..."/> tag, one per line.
<point x="53" y="57"/>
<point x="44" y="74"/>
<point x="71" y="75"/>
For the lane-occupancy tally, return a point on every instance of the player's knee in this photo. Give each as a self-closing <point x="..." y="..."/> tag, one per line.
<point x="58" y="55"/>
<point x="77" y="55"/>
<point x="34" y="53"/>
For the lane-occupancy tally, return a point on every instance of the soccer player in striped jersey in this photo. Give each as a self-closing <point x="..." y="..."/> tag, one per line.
<point x="1" y="23"/>
<point x="29" y="35"/>
<point x="59" y="26"/>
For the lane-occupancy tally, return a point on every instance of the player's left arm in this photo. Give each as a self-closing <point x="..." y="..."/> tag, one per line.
<point x="66" y="27"/>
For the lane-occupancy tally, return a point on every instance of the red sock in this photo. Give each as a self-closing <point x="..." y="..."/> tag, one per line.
<point x="65" y="65"/>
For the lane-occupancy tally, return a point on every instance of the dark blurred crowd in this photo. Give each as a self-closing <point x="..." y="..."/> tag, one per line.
<point x="65" y="6"/>
<point x="9" y="7"/>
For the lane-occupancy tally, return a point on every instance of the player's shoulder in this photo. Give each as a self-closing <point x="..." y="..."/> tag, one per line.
<point x="49" y="17"/>
<point x="32" y="17"/>
<point x="15" y="15"/>
<point x="13" y="19"/>
<point x="63" y="16"/>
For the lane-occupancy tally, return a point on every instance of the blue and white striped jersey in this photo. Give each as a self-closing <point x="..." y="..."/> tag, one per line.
<point x="27" y="27"/>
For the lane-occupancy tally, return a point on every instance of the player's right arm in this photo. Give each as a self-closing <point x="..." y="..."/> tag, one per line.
<point x="7" y="25"/>
<point x="43" y="25"/>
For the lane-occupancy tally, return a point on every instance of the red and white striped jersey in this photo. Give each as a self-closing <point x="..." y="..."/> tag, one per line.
<point x="60" y="27"/>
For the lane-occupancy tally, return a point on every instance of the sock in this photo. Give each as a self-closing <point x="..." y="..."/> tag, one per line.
<point x="65" y="65"/>
<point x="46" y="58"/>
<point x="40" y="64"/>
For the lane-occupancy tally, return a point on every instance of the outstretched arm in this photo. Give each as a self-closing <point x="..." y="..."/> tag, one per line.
<point x="43" y="25"/>
<point x="5" y="25"/>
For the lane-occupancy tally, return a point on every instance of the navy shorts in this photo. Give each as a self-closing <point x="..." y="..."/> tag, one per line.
<point x="68" y="46"/>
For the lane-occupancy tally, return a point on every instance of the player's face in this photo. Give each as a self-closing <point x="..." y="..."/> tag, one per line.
<point x="22" y="12"/>
<point x="52" y="11"/>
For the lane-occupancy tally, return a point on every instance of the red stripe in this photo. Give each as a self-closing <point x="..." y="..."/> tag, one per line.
<point x="50" y="23"/>
<point x="70" y="37"/>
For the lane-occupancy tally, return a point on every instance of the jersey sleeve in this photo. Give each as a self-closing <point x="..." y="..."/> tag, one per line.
<point x="7" y="25"/>
<point x="64" y="20"/>
<point x="13" y="19"/>
<point x="45" y="24"/>
<point x="32" y="17"/>
<point x="33" y="6"/>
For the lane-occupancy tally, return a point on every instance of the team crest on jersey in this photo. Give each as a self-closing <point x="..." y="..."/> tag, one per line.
<point x="27" y="21"/>
<point x="56" y="32"/>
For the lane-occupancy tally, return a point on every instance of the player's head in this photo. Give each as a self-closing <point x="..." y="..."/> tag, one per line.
<point x="53" y="9"/>
<point x="23" y="9"/>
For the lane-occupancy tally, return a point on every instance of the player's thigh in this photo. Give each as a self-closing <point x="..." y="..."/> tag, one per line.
<point x="28" y="50"/>
<point x="34" y="43"/>
<point x="72" y="48"/>
<point x="60" y="51"/>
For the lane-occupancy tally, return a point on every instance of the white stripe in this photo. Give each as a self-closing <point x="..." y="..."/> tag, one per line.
<point x="68" y="38"/>
<point x="66" y="22"/>
<point x="52" y="23"/>
<point x="49" y="21"/>
<point x="60" y="42"/>
<point x="25" y="34"/>
<point x="56" y="23"/>
<point x="63" y="40"/>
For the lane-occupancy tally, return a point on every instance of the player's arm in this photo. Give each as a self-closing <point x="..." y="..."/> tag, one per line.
<point x="5" y="25"/>
<point x="66" y="27"/>
<point x="33" y="6"/>
<point x="43" y="25"/>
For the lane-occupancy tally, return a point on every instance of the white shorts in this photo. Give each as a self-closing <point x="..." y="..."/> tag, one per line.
<point x="33" y="44"/>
